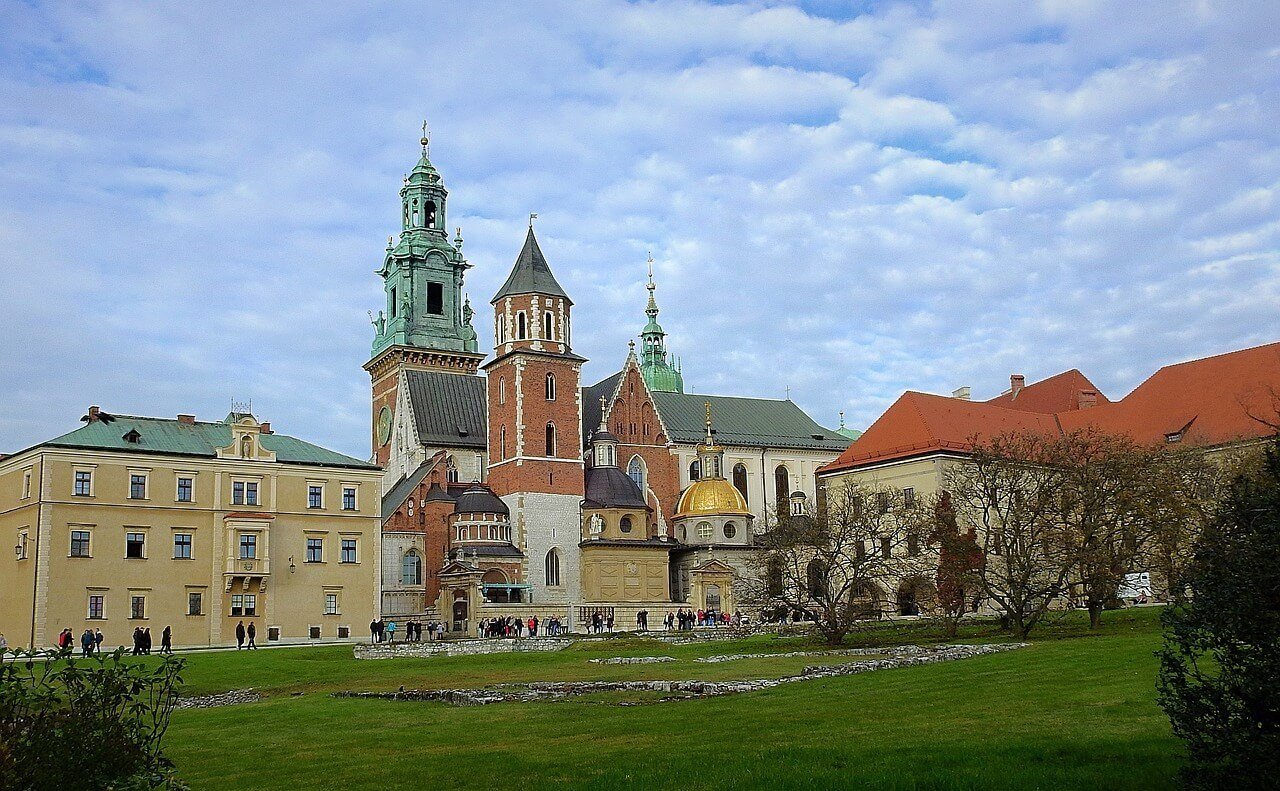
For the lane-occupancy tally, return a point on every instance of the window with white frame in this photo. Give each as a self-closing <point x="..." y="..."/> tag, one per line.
<point x="80" y="543"/>
<point x="315" y="495"/>
<point x="315" y="550"/>
<point x="137" y="486"/>
<point x="186" y="489"/>
<point x="97" y="607"/>
<point x="182" y="546"/>
<point x="137" y="606"/>
<point x="548" y="325"/>
<point x="348" y="551"/>
<point x="135" y="545"/>
<point x="26" y="484"/>
<point x="83" y="483"/>
<point x="248" y="546"/>
<point x="195" y="603"/>
<point x="348" y="498"/>
<point x="330" y="603"/>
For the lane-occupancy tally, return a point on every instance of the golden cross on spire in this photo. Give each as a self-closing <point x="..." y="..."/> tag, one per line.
<point x="426" y="139"/>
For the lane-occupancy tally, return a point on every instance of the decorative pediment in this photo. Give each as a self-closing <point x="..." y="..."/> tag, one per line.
<point x="712" y="566"/>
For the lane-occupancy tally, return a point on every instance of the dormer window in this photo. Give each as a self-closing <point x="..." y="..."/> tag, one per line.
<point x="133" y="437"/>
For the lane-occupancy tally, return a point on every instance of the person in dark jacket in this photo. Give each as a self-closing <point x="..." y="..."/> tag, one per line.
<point x="240" y="635"/>
<point x="253" y="631"/>
<point x="86" y="643"/>
<point x="166" y="640"/>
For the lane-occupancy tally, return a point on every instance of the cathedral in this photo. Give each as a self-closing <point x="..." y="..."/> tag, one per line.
<point x="511" y="487"/>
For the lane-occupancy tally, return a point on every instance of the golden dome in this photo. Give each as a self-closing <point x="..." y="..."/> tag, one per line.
<point x="712" y="497"/>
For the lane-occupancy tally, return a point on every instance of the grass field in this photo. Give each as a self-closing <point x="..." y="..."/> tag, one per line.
<point x="1074" y="710"/>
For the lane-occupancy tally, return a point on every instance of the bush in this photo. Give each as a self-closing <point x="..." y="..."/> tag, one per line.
<point x="1220" y="664"/>
<point x="86" y="723"/>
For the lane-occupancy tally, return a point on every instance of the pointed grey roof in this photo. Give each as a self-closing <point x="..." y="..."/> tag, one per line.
<point x="531" y="274"/>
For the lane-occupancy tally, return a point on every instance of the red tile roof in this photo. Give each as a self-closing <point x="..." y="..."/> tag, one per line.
<point x="1209" y="400"/>
<point x="1059" y="393"/>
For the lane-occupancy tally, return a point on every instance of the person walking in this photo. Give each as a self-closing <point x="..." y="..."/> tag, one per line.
<point x="373" y="631"/>
<point x="146" y="641"/>
<point x="137" y="641"/>
<point x="86" y="644"/>
<point x="391" y="631"/>
<point x="4" y="644"/>
<point x="240" y="635"/>
<point x="97" y="641"/>
<point x="253" y="631"/>
<point x="166" y="640"/>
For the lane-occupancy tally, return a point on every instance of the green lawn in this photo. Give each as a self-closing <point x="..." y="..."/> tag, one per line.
<point x="1073" y="710"/>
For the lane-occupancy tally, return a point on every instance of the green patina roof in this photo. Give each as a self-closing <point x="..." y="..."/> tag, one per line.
<point x="753" y="422"/>
<point x="851" y="433"/>
<point x="172" y="437"/>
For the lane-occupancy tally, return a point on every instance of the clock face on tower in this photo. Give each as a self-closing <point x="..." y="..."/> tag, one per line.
<point x="384" y="426"/>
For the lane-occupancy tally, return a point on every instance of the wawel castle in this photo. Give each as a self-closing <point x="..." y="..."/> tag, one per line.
<point x="500" y="482"/>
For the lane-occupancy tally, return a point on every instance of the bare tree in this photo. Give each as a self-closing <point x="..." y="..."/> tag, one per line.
<point x="838" y="565"/>
<point x="1007" y="493"/>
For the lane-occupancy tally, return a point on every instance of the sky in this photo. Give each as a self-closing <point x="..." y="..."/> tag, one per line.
<point x="843" y="200"/>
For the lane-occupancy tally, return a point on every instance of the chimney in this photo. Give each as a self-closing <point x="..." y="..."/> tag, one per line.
<point x="93" y="414"/>
<point x="265" y="428"/>
<point x="1088" y="398"/>
<point x="961" y="393"/>
<point x="1016" y="383"/>
<point x="187" y="420"/>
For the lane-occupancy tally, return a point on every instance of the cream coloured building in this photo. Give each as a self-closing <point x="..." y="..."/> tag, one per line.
<point x="194" y="525"/>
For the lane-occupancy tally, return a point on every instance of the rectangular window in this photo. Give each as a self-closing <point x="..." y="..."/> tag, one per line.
<point x="886" y="550"/>
<point x="860" y="549"/>
<point x="882" y="501"/>
<point x="237" y="604"/>
<point x="395" y="303"/>
<point x="913" y="544"/>
<point x="331" y="604"/>
<point x="195" y="604"/>
<point x="251" y="493"/>
<point x="909" y="496"/>
<point x="135" y="545"/>
<point x="348" y="498"/>
<point x="250" y="604"/>
<point x="184" y="490"/>
<point x="435" y="299"/>
<point x="137" y="606"/>
<point x="137" y="487"/>
<point x="182" y="545"/>
<point x="79" y="543"/>
<point x="97" y="610"/>
<point x="348" y="550"/>
<point x="237" y="493"/>
<point x="26" y="484"/>
<point x="315" y="550"/>
<point x="84" y="483"/>
<point x="315" y="497"/>
<point x="248" y="546"/>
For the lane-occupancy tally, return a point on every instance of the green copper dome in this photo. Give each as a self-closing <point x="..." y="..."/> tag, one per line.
<point x="659" y="374"/>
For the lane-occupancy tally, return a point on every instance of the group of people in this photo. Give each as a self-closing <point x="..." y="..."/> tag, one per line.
<point x="687" y="619"/>
<point x="515" y="626"/>
<point x="381" y="631"/>
<point x="600" y="622"/>
<point x="142" y="640"/>
<point x="90" y="642"/>
<point x="242" y="633"/>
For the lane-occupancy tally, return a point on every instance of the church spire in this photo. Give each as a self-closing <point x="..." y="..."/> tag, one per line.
<point x="659" y="374"/>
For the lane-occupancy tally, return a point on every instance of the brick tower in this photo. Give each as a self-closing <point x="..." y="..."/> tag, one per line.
<point x="427" y="322"/>
<point x="535" y="423"/>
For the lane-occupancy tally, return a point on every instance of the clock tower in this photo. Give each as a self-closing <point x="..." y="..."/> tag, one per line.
<point x="425" y="324"/>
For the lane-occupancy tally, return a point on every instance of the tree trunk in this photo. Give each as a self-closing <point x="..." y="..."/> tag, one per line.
<point x="1095" y="615"/>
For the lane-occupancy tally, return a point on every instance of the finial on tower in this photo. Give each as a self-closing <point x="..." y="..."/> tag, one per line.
<point x="603" y="416"/>
<point x="841" y="418"/>
<point x="391" y="242"/>
<point x="457" y="238"/>
<point x="707" y="404"/>
<point x="650" y="271"/>
<point x="532" y="217"/>
<point x="426" y="139"/>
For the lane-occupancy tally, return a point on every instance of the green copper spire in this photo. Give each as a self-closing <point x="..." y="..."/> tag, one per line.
<point x="659" y="374"/>
<point x="422" y="273"/>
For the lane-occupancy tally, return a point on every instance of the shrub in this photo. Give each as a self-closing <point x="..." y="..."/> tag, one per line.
<point x="86" y="723"/>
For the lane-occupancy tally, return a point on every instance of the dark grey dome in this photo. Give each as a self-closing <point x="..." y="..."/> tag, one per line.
<point x="479" y="500"/>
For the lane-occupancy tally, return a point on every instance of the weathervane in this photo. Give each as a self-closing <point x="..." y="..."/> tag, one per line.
<point x="532" y="217"/>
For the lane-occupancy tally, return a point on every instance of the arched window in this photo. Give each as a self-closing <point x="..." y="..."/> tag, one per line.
<point x="246" y="448"/>
<point x="429" y="214"/>
<point x="816" y="574"/>
<point x="451" y="469"/>
<point x="636" y="470"/>
<point x="553" y="567"/>
<point x="625" y="524"/>
<point x="551" y="387"/>
<point x="781" y="489"/>
<point x="740" y="479"/>
<point x="502" y="443"/>
<point x="695" y="471"/>
<point x="522" y="326"/>
<point x="775" y="578"/>
<point x="705" y="530"/>
<point x="551" y="440"/>
<point x="411" y="569"/>
<point x="548" y="325"/>
<point x="730" y="530"/>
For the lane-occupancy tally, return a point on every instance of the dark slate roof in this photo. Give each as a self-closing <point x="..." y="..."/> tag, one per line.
<point x="750" y="422"/>
<point x="479" y="500"/>
<point x="392" y="500"/>
<point x="449" y="408"/>
<point x="610" y="487"/>
<point x="201" y="438"/>
<point x="661" y="542"/>
<point x="493" y="550"/>
<point x="438" y="494"/>
<point x="531" y="274"/>
<point x="591" y="403"/>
